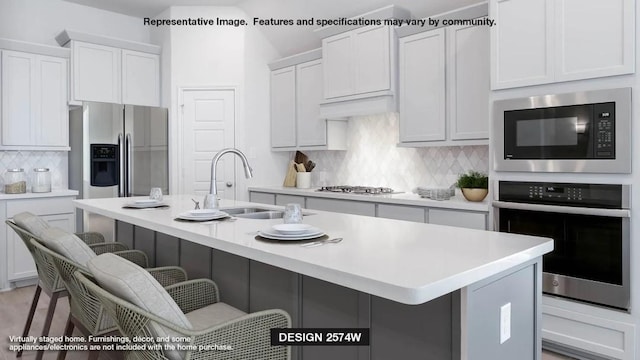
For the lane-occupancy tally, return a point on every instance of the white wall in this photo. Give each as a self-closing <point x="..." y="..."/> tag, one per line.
<point x="223" y="57"/>
<point x="40" y="21"/>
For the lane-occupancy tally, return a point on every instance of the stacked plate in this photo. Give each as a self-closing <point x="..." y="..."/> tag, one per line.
<point x="145" y="204"/>
<point x="291" y="232"/>
<point x="202" y="215"/>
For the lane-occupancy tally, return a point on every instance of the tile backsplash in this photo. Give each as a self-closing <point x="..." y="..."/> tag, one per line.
<point x="374" y="159"/>
<point x="56" y="161"/>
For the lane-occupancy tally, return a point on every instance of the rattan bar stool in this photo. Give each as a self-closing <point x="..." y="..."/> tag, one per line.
<point x="87" y="313"/>
<point x="190" y="309"/>
<point x="28" y="226"/>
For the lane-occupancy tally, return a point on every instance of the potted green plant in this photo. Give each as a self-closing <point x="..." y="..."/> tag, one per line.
<point x="474" y="185"/>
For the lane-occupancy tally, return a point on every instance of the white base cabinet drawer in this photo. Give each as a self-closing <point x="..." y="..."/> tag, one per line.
<point x="400" y="212"/>
<point x="342" y="206"/>
<point x="457" y="218"/>
<point x="49" y="206"/>
<point x="262" y="198"/>
<point x="288" y="199"/>
<point x="588" y="330"/>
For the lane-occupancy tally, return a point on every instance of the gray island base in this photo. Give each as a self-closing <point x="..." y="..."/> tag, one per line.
<point x="496" y="317"/>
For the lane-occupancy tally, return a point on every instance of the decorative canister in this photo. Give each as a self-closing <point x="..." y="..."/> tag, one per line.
<point x="15" y="181"/>
<point x="41" y="181"/>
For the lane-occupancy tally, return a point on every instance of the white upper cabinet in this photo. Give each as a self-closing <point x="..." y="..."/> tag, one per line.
<point x="296" y="94"/>
<point x="311" y="129"/>
<point x="371" y="50"/>
<point x="594" y="38"/>
<point x="422" y="87"/>
<point x="357" y="62"/>
<point x="283" y="107"/>
<point x="468" y="82"/>
<point x="140" y="78"/>
<point x="444" y="87"/>
<point x="338" y="64"/>
<point x="110" y="70"/>
<point x="96" y="73"/>
<point x="544" y="41"/>
<point x="34" y="102"/>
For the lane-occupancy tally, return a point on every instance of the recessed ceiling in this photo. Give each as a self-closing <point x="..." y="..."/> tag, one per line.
<point x="288" y="40"/>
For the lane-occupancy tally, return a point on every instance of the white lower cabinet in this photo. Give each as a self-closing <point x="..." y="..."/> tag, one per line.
<point x="465" y="219"/>
<point x="262" y="198"/>
<point x="452" y="217"/>
<point x="342" y="206"/>
<point x="568" y="326"/>
<point x="401" y="212"/>
<point x="57" y="211"/>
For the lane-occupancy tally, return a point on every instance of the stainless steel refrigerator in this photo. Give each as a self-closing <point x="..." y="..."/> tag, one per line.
<point x="116" y="151"/>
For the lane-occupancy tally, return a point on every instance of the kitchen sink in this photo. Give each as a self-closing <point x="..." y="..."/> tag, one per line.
<point x="256" y="213"/>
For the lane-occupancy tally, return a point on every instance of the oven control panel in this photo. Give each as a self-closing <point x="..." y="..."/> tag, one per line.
<point x="565" y="194"/>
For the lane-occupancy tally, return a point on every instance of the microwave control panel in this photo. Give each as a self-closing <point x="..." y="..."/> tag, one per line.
<point x="604" y="116"/>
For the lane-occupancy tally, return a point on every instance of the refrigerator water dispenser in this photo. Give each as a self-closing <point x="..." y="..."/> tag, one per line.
<point x="104" y="165"/>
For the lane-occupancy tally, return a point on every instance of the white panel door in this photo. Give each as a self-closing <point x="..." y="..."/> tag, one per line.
<point x="283" y="107"/>
<point x="140" y="78"/>
<point x="468" y="82"/>
<point x="208" y="121"/>
<point x="371" y="59"/>
<point x="594" y="38"/>
<point x="337" y="56"/>
<point x="521" y="42"/>
<point x="18" y="94"/>
<point x="311" y="129"/>
<point x="96" y="73"/>
<point x="52" y="95"/>
<point x="422" y="87"/>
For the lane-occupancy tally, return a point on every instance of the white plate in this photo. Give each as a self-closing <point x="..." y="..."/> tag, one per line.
<point x="216" y="216"/>
<point x="292" y="229"/>
<point x="204" y="212"/>
<point x="146" y="201"/>
<point x="274" y="235"/>
<point x="136" y="205"/>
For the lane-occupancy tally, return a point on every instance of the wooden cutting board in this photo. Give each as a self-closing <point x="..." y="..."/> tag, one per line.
<point x="290" y="177"/>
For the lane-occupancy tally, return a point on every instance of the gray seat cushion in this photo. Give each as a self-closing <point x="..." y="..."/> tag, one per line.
<point x="67" y="244"/>
<point x="130" y="282"/>
<point x="212" y="315"/>
<point x="30" y="222"/>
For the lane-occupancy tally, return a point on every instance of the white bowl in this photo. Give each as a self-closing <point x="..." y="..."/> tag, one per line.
<point x="292" y="229"/>
<point x="204" y="212"/>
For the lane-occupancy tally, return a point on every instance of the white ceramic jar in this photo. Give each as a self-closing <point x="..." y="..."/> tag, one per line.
<point x="41" y="181"/>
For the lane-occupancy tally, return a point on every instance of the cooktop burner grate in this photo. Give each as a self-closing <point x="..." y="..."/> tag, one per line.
<point x="366" y="190"/>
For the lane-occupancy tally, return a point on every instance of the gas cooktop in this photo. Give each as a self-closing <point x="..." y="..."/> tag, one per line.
<point x="363" y="190"/>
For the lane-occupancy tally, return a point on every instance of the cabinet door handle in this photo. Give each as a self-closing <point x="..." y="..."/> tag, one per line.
<point x="229" y="184"/>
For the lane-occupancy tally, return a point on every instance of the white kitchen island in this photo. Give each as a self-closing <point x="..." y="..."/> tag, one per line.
<point x="424" y="291"/>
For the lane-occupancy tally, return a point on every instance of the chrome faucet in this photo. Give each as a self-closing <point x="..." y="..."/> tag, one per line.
<point x="211" y="199"/>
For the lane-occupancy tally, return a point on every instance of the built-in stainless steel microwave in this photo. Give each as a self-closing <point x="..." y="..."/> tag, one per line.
<point x="576" y="132"/>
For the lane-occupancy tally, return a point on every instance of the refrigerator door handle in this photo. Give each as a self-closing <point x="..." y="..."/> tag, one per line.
<point x="120" y="166"/>
<point x="128" y="176"/>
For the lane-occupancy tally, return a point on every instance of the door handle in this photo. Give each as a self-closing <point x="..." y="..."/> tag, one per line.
<point x="129" y="176"/>
<point x="121" y="161"/>
<point x="229" y="184"/>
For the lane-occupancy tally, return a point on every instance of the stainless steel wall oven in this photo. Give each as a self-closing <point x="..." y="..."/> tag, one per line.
<point x="590" y="227"/>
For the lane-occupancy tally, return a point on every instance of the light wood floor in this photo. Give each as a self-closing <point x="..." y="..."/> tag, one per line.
<point x="14" y="307"/>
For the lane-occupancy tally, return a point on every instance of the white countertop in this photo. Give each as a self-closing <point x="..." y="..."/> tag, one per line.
<point x="457" y="202"/>
<point x="408" y="262"/>
<point x="30" y="195"/>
